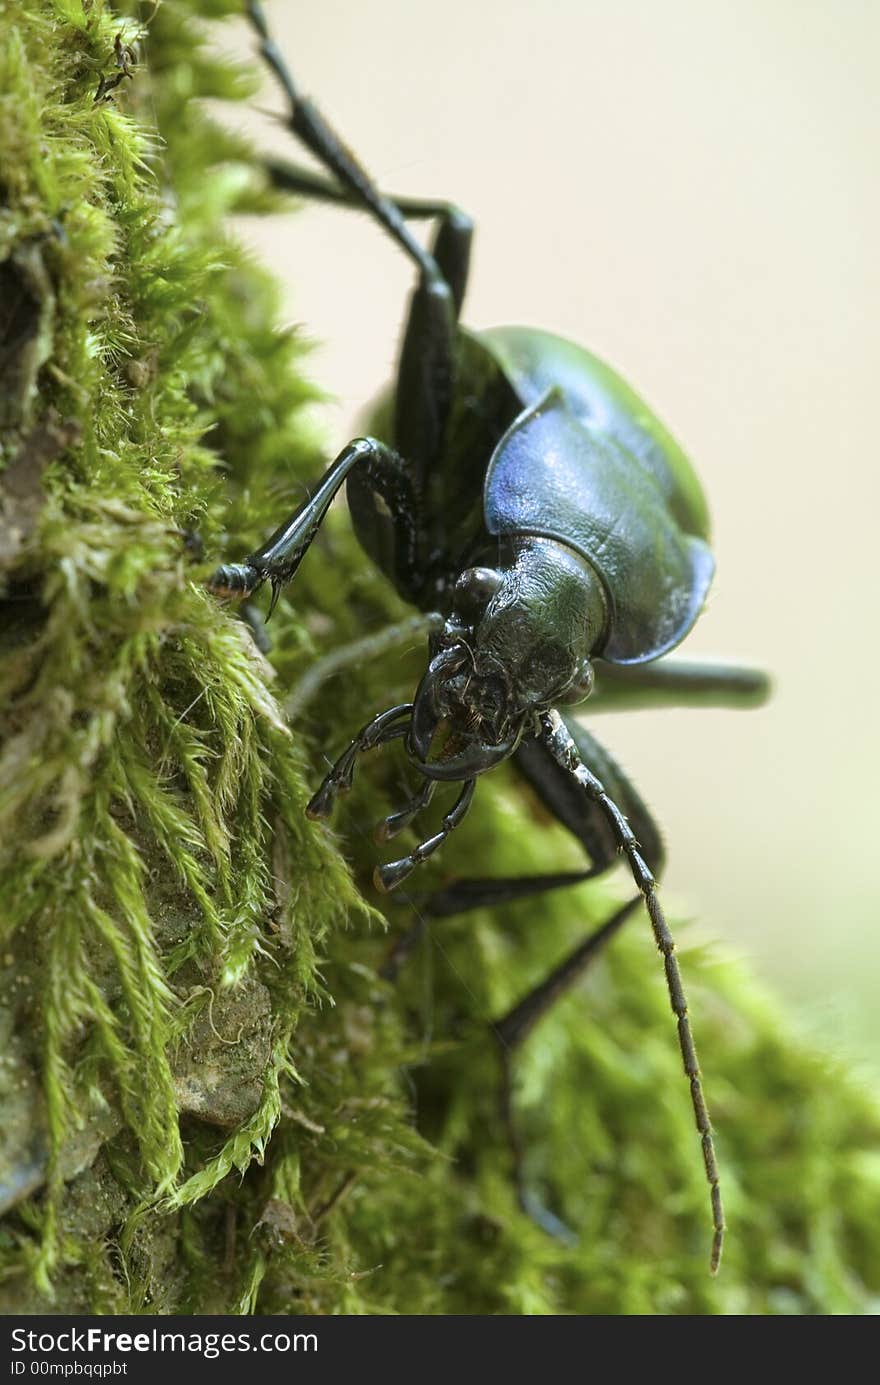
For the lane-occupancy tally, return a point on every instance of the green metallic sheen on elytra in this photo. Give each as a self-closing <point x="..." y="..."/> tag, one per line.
<point x="535" y="361"/>
<point x="621" y="492"/>
<point x="588" y="464"/>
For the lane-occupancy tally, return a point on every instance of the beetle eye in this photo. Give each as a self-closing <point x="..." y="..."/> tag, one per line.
<point x="475" y="587"/>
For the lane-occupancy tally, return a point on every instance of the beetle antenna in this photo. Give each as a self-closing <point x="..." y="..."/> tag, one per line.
<point x="390" y="876"/>
<point x="559" y="742"/>
<point x="387" y="726"/>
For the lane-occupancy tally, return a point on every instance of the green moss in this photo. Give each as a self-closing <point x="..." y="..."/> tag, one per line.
<point x="211" y="1100"/>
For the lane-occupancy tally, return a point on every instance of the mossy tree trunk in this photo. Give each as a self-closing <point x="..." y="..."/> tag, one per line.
<point x="211" y="1101"/>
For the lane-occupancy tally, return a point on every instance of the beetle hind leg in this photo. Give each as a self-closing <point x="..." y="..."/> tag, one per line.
<point x="464" y="895"/>
<point x="307" y="123"/>
<point x="514" y="1028"/>
<point x="427" y="366"/>
<point x="451" y="246"/>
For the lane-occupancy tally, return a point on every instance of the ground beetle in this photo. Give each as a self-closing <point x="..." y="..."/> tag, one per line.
<point x="529" y="498"/>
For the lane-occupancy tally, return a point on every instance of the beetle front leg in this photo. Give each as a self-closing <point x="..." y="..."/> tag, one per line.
<point x="281" y="555"/>
<point x="387" y="726"/>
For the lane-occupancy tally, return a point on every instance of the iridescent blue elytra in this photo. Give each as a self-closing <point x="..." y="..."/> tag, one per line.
<point x="615" y="485"/>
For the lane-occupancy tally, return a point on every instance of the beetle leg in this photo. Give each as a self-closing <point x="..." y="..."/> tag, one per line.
<point x="564" y="800"/>
<point x="308" y="124"/>
<point x="514" y="1027"/>
<point x="389" y="876"/>
<point x="387" y="726"/>
<point x="558" y="740"/>
<point x="282" y="553"/>
<point x="452" y="242"/>
<point x="423" y="397"/>
<point x="463" y="895"/>
<point x="425" y="380"/>
<point x="677" y="682"/>
<point x="395" y="822"/>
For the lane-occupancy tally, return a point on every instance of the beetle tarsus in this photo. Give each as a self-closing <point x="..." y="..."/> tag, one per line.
<point x="235" y="579"/>
<point x="387" y="878"/>
<point x="339" y="781"/>
<point x="320" y="804"/>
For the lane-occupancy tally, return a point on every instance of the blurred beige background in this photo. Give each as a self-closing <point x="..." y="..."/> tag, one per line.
<point x="688" y="188"/>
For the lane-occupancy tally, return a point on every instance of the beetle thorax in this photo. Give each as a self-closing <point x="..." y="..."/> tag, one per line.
<point x="516" y="642"/>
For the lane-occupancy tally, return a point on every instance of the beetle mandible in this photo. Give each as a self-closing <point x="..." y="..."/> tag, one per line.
<point x="527" y="496"/>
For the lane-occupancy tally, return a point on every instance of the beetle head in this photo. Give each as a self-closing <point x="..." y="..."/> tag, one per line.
<point x="516" y="643"/>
